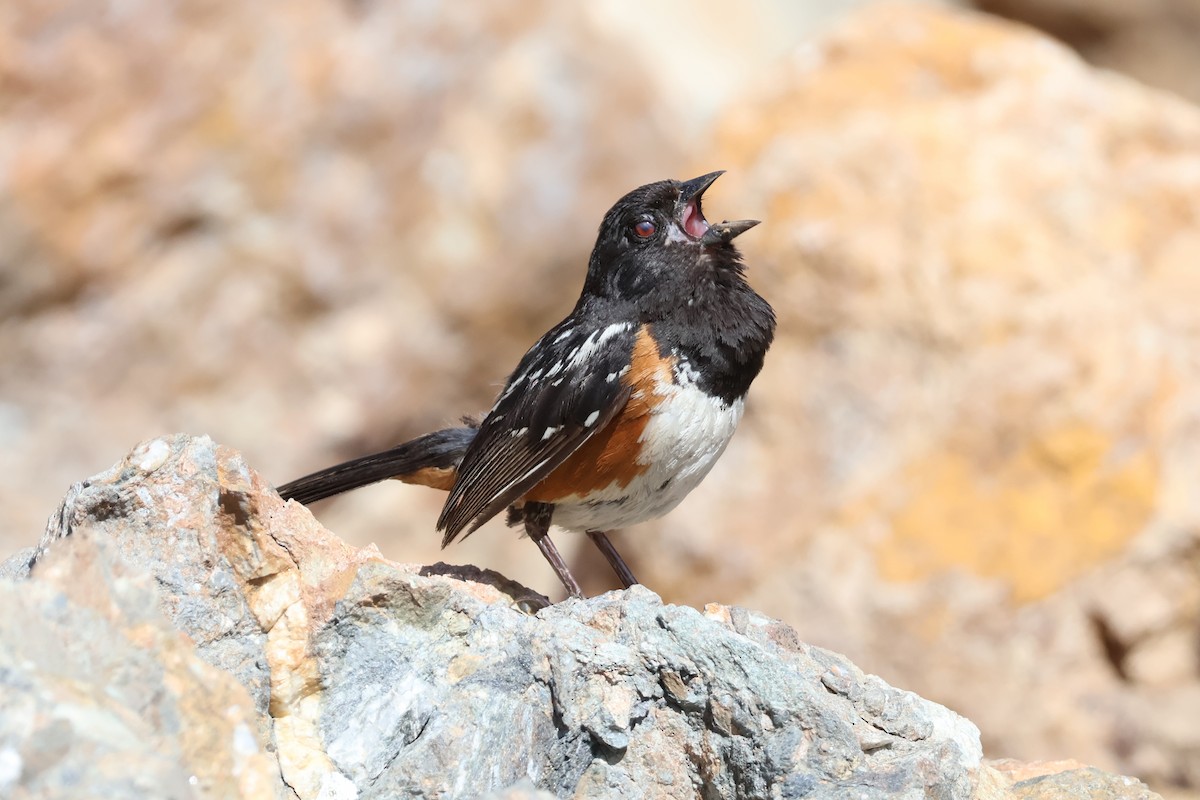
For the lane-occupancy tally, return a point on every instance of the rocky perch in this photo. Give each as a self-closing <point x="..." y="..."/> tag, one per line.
<point x="181" y="631"/>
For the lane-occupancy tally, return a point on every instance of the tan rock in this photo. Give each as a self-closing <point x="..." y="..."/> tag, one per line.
<point x="307" y="230"/>
<point x="971" y="457"/>
<point x="1089" y="783"/>
<point x="1153" y="42"/>
<point x="1054" y="780"/>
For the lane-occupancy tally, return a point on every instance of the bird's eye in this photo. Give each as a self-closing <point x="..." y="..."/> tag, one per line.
<point x="644" y="228"/>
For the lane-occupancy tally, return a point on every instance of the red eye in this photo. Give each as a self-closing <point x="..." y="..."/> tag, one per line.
<point x="644" y="229"/>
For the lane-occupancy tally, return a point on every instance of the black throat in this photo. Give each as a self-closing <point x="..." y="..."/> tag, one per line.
<point x="719" y="336"/>
<point x="711" y="321"/>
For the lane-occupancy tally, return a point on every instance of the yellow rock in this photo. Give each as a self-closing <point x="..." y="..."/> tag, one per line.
<point x="1054" y="509"/>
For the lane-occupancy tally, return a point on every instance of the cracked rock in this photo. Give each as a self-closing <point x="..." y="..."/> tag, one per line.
<point x="312" y="669"/>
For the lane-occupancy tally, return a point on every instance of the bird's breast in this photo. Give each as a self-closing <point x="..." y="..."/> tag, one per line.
<point x="680" y="439"/>
<point x="654" y="451"/>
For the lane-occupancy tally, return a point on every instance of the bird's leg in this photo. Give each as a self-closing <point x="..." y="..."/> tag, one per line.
<point x="537" y="525"/>
<point x="614" y="558"/>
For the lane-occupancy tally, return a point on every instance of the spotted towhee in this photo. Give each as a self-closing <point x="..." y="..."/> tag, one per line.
<point x="619" y="410"/>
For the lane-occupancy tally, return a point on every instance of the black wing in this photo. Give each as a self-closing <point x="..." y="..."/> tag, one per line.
<point x="566" y="388"/>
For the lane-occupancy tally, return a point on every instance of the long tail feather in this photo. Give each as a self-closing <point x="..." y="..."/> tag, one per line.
<point x="430" y="460"/>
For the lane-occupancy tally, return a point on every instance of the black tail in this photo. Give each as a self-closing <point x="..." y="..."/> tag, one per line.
<point x="430" y="460"/>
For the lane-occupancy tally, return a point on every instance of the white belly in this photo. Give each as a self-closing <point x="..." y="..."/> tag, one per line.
<point x="683" y="439"/>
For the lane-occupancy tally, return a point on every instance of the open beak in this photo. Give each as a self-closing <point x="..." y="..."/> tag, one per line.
<point x="693" y="189"/>
<point x="691" y="218"/>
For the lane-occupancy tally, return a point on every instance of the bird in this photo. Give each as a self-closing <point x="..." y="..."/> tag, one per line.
<point x="617" y="412"/>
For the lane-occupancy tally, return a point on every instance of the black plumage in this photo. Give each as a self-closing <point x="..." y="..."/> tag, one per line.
<point x="659" y="273"/>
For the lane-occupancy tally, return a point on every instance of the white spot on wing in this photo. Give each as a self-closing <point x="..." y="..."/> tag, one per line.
<point x="591" y="419"/>
<point x="550" y="432"/>
<point x="595" y="341"/>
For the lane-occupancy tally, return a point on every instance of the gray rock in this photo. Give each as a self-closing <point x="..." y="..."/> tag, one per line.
<point x="16" y="566"/>
<point x="100" y="697"/>
<point x="1086" y="782"/>
<point x="377" y="680"/>
<point x="614" y="696"/>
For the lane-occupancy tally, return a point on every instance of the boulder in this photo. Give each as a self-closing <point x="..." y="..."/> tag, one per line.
<point x="970" y="460"/>
<point x="100" y="696"/>
<point x="278" y="225"/>
<point x="181" y="629"/>
<point x="1153" y="42"/>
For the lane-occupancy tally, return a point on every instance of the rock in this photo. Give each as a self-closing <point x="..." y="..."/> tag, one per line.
<point x="391" y="680"/>
<point x="970" y="459"/>
<point x="376" y="679"/>
<point x="17" y="565"/>
<point x="1153" y="42"/>
<point x="523" y="790"/>
<point x="1090" y="782"/>
<point x="278" y="224"/>
<point x="99" y="695"/>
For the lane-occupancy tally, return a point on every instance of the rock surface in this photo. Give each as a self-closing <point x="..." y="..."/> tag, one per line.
<point x="101" y="697"/>
<point x="971" y="458"/>
<point x="274" y="225"/>
<point x="373" y="679"/>
<point x="1153" y="42"/>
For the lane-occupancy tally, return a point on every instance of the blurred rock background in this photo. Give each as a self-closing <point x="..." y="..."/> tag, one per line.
<point x="970" y="464"/>
<point x="1153" y="40"/>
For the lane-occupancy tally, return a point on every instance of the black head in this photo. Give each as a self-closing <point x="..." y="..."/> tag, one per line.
<point x="655" y="243"/>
